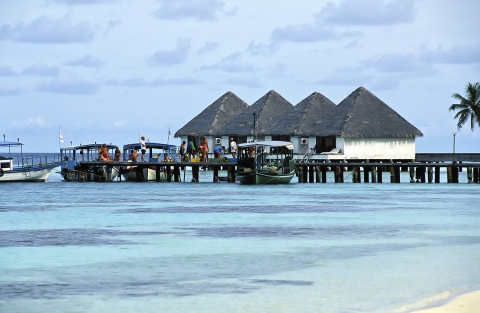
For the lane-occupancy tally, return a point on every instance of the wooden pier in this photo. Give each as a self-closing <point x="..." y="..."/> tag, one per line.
<point x="426" y="168"/>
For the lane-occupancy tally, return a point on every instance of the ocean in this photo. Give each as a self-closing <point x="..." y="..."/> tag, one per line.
<point x="226" y="247"/>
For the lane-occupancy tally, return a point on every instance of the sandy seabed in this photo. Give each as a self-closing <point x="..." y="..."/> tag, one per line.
<point x="466" y="303"/>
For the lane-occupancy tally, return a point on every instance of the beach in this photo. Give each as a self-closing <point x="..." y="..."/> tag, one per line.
<point x="465" y="303"/>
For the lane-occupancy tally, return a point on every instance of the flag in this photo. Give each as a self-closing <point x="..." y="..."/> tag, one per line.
<point x="60" y="136"/>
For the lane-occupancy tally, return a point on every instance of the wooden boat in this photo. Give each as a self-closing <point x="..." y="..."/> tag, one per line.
<point x="25" y="168"/>
<point x="73" y="155"/>
<point x="156" y="152"/>
<point x="265" y="162"/>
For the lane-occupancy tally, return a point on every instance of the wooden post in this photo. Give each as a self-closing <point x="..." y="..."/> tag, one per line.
<point x="231" y="174"/>
<point x="324" y="174"/>
<point x="374" y="174"/>
<point x="366" y="170"/>
<point x="176" y="173"/>
<point x="469" y="175"/>
<point x="356" y="174"/>
<point x="449" y="175"/>
<point x="422" y="173"/>
<point x="430" y="174"/>
<point x="310" y="174"/>
<point x="475" y="175"/>
<point x="215" y="174"/>
<point x="318" y="177"/>
<point x="195" y="173"/>
<point x="437" y="174"/>
<point x="339" y="174"/>
<point x="397" y="174"/>
<point x="412" y="174"/>
<point x="392" y="175"/>
<point x="169" y="173"/>
<point x="300" y="174"/>
<point x="379" y="173"/>
<point x="455" y="174"/>
<point x="157" y="173"/>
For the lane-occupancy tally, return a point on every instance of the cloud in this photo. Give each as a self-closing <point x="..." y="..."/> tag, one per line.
<point x="86" y="61"/>
<point x="309" y="33"/>
<point x="231" y="63"/>
<point x="395" y="63"/>
<point x="175" y="56"/>
<point x="34" y="121"/>
<point x="7" y="71"/>
<point x="251" y="82"/>
<point x="68" y="86"/>
<point x="347" y="13"/>
<point x="458" y="54"/>
<point x="368" y="13"/>
<point x="120" y="124"/>
<point x="140" y="82"/>
<point x="208" y="46"/>
<point x="45" y="30"/>
<point x="262" y="49"/>
<point x="347" y="76"/>
<point x="41" y="69"/>
<point x="83" y="2"/>
<point x="201" y="10"/>
<point x="10" y="91"/>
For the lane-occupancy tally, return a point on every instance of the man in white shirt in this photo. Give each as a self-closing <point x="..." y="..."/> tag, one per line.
<point x="233" y="148"/>
<point x="143" y="147"/>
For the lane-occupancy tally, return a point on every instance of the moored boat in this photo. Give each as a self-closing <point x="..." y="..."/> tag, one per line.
<point x="73" y="155"/>
<point x="155" y="152"/>
<point x="25" y="168"/>
<point x="265" y="162"/>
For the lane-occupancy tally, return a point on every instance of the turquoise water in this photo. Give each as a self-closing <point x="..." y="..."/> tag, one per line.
<point x="205" y="247"/>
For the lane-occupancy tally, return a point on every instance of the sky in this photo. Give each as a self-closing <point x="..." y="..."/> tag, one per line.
<point x="113" y="70"/>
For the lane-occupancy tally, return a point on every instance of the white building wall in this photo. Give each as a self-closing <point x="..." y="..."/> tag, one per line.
<point x="377" y="148"/>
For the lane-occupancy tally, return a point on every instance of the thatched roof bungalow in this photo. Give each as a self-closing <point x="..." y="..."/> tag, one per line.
<point x="364" y="127"/>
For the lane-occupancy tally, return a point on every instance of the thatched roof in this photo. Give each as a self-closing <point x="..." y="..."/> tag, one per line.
<point x="363" y="115"/>
<point x="300" y="118"/>
<point x="267" y="109"/>
<point x="214" y="117"/>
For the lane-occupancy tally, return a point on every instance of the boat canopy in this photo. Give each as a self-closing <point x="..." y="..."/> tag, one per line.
<point x="88" y="147"/>
<point x="10" y="144"/>
<point x="152" y="145"/>
<point x="268" y="143"/>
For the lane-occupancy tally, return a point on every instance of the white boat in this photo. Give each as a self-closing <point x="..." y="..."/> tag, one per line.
<point x="73" y="155"/>
<point x="25" y="168"/>
<point x="265" y="162"/>
<point x="155" y="153"/>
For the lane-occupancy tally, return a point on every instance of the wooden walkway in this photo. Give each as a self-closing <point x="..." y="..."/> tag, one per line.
<point x="426" y="168"/>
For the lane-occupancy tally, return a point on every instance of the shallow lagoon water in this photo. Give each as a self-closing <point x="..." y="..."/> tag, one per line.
<point x="206" y="247"/>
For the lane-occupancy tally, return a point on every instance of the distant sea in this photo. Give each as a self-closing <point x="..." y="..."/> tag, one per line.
<point x="225" y="247"/>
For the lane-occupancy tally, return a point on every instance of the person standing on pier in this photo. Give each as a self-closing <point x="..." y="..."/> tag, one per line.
<point x="218" y="152"/>
<point x="191" y="149"/>
<point x="182" y="151"/>
<point x="143" y="147"/>
<point x="233" y="148"/>
<point x="204" y="148"/>
<point x="117" y="155"/>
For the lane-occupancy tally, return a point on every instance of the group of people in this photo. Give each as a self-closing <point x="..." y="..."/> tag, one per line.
<point x="103" y="154"/>
<point x="188" y="151"/>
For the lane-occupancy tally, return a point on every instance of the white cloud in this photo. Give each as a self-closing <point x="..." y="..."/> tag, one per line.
<point x="370" y="13"/>
<point x="68" y="85"/>
<point x="308" y="33"/>
<point x="202" y="10"/>
<point x="231" y="63"/>
<point x="7" y="71"/>
<point x="46" y="30"/>
<point x="86" y="61"/>
<point x="41" y="69"/>
<point x="208" y="47"/>
<point x="174" y="56"/>
<point x="394" y="63"/>
<point x="458" y="54"/>
<point x="37" y="122"/>
<point x="10" y="90"/>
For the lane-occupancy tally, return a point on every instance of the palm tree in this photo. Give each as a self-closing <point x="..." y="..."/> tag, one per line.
<point x="469" y="106"/>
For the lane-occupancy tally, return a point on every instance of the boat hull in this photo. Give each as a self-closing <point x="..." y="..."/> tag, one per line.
<point x="148" y="175"/>
<point x="260" y="178"/>
<point x="100" y="173"/>
<point x="39" y="175"/>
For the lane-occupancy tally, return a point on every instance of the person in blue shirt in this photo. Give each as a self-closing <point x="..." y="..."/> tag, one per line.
<point x="217" y="152"/>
